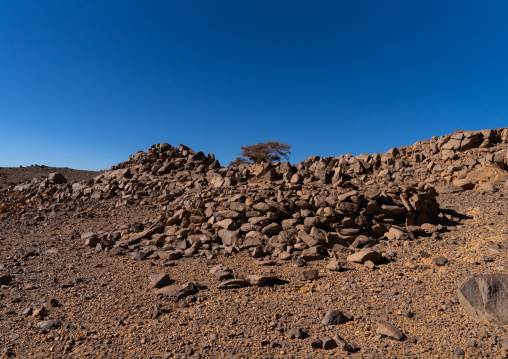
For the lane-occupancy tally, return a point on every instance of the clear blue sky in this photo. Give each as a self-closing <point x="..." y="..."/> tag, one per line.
<point x="85" y="84"/>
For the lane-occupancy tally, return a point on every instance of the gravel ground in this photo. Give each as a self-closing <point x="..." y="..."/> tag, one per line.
<point x="108" y="309"/>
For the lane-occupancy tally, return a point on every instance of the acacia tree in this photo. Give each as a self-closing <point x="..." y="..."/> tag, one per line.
<point x="271" y="151"/>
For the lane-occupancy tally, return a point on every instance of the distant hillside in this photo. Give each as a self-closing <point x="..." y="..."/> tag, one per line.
<point x="11" y="175"/>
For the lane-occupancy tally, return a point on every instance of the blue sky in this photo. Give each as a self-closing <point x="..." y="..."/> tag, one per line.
<point x="85" y="84"/>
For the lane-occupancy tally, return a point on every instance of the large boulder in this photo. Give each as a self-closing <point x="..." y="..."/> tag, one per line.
<point x="487" y="174"/>
<point x="485" y="297"/>
<point x="57" y="178"/>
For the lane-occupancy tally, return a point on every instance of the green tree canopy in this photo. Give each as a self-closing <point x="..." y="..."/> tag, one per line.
<point x="271" y="151"/>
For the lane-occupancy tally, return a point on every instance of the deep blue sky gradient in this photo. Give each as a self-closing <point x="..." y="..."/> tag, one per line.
<point x="85" y="84"/>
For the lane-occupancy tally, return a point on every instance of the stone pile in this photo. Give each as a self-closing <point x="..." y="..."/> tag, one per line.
<point x="307" y="210"/>
<point x="164" y="172"/>
<point x="276" y="222"/>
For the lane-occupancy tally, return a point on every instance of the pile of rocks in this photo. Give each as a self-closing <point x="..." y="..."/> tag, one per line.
<point x="275" y="209"/>
<point x="276" y="222"/>
<point x="164" y="172"/>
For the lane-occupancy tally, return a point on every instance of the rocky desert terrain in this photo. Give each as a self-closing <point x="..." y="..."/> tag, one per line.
<point x="13" y="175"/>
<point x="402" y="254"/>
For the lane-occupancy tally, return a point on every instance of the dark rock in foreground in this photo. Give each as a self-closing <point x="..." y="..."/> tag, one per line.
<point x="485" y="297"/>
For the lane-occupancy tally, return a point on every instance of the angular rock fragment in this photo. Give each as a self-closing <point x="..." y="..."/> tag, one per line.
<point x="233" y="283"/>
<point x="398" y="234"/>
<point x="39" y="312"/>
<point x="252" y="241"/>
<point x="440" y="261"/>
<point x="229" y="237"/>
<point x="309" y="274"/>
<point x="227" y="224"/>
<point x="49" y="324"/>
<point x="464" y="183"/>
<point x="366" y="254"/>
<point x="170" y="254"/>
<point x="487" y="188"/>
<point x="159" y="280"/>
<point x="5" y="279"/>
<point x="447" y="189"/>
<point x="334" y="265"/>
<point x="299" y="261"/>
<point x="316" y="343"/>
<point x="57" y="178"/>
<point x="221" y="272"/>
<point x="272" y="229"/>
<point x="53" y="303"/>
<point x="257" y="279"/>
<point x="90" y="238"/>
<point x="178" y="290"/>
<point x="315" y="253"/>
<point x="328" y="343"/>
<point x="307" y="239"/>
<point x="334" y="317"/>
<point x="344" y="345"/>
<point x="369" y="264"/>
<point x="388" y="330"/>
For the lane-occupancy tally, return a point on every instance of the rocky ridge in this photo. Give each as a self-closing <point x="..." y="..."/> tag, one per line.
<point x="276" y="209"/>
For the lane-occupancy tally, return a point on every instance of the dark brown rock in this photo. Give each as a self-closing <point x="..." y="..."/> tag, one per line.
<point x="366" y="254"/>
<point x="388" y="330"/>
<point x="159" y="280"/>
<point x="234" y="283"/>
<point x="485" y="297"/>
<point x="178" y="290"/>
<point x="333" y="317"/>
<point x="309" y="274"/>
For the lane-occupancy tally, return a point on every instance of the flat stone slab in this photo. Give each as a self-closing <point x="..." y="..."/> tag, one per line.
<point x="234" y="283"/>
<point x="364" y="255"/>
<point x="257" y="279"/>
<point x="449" y="188"/>
<point x="178" y="290"/>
